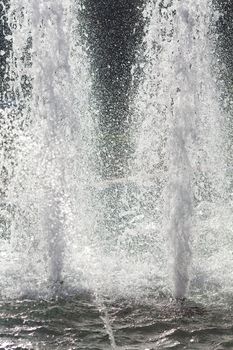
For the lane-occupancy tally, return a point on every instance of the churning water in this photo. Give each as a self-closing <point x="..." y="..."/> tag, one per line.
<point x="127" y="202"/>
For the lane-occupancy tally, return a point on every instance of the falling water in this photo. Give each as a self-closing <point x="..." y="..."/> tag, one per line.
<point x="180" y="131"/>
<point x="69" y="226"/>
<point x="48" y="175"/>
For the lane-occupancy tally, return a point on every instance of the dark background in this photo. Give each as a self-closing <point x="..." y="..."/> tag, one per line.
<point x="113" y="32"/>
<point x="5" y="47"/>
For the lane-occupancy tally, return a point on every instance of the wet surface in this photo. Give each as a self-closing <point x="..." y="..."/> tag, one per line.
<point x="82" y="323"/>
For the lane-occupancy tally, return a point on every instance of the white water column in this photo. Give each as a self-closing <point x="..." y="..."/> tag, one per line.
<point x="179" y="132"/>
<point x="195" y="138"/>
<point x="183" y="110"/>
<point x="53" y="97"/>
<point x="41" y="36"/>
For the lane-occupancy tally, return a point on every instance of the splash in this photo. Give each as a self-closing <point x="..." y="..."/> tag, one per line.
<point x="179" y="132"/>
<point x="66" y="225"/>
<point x="48" y="152"/>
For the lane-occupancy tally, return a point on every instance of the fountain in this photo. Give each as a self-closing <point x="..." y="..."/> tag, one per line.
<point x="114" y="169"/>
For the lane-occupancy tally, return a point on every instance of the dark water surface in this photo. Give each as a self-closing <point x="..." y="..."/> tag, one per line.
<point x="79" y="323"/>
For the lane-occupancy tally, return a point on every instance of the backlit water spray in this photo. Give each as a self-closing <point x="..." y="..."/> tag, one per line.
<point x="179" y="133"/>
<point x="48" y="175"/>
<point x="63" y="231"/>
